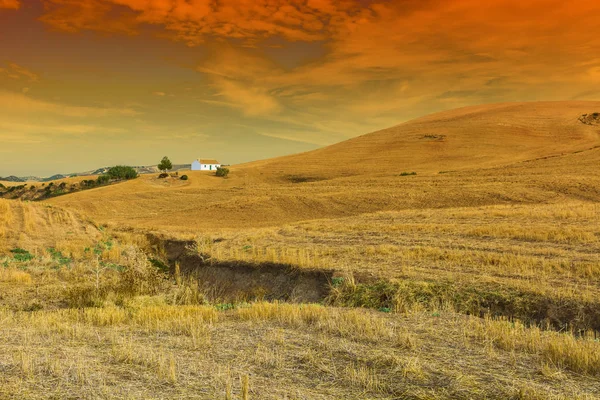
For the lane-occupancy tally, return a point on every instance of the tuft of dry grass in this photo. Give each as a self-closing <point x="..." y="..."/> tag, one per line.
<point x="14" y="276"/>
<point x="560" y="350"/>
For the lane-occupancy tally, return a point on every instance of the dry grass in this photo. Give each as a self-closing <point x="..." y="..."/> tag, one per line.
<point x="558" y="350"/>
<point x="14" y="276"/>
<point x="87" y="317"/>
<point x="514" y="249"/>
<point x="264" y="351"/>
<point x="138" y="342"/>
<point x="38" y="226"/>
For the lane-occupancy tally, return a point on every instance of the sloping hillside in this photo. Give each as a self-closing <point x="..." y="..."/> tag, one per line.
<point x="466" y="138"/>
<point x="500" y="154"/>
<point x="36" y="226"/>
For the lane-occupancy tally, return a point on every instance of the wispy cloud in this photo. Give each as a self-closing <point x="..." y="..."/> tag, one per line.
<point x="19" y="132"/>
<point x="18" y="72"/>
<point x="11" y="103"/>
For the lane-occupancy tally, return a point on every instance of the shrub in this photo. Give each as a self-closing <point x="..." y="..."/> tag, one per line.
<point x="222" y="172"/>
<point x="184" y="177"/>
<point x="408" y="173"/>
<point x="103" y="179"/>
<point x="122" y="172"/>
<point x="163" y="175"/>
<point x="140" y="276"/>
<point x="87" y="183"/>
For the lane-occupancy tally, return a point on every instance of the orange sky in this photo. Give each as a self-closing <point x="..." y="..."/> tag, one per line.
<point x="88" y="83"/>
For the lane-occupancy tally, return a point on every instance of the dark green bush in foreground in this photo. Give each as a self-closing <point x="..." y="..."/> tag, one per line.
<point x="222" y="172"/>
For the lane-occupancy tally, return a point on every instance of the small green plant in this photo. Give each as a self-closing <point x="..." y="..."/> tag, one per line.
<point x="222" y="172"/>
<point x="408" y="173"/>
<point x="158" y="264"/>
<point x="224" y="306"/>
<point x="58" y="256"/>
<point x="184" y="177"/>
<point x="337" y="281"/>
<point x="21" y="255"/>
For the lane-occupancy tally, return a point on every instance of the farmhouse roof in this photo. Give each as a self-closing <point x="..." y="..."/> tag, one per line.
<point x="208" y="161"/>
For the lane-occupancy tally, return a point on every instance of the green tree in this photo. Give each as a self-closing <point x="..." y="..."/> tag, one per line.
<point x="165" y="164"/>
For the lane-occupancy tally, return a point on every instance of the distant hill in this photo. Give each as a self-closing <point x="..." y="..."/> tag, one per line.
<point x="12" y="179"/>
<point x="152" y="169"/>
<point x="472" y="137"/>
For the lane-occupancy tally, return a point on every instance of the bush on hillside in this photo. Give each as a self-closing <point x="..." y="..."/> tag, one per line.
<point x="222" y="172"/>
<point x="122" y="172"/>
<point x="103" y="179"/>
<point x="87" y="183"/>
<point x="184" y="177"/>
<point x="163" y="175"/>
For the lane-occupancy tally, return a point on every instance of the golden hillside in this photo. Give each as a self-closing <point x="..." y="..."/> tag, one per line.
<point x="497" y="154"/>
<point x="466" y="138"/>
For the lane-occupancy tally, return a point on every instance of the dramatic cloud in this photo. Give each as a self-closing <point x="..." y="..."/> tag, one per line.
<point x="312" y="71"/>
<point x="194" y="21"/>
<point x="445" y="53"/>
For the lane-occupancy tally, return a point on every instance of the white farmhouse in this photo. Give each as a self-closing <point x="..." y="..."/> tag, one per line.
<point x="202" y="164"/>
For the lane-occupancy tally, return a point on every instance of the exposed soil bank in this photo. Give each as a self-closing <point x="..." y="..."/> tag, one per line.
<point x="237" y="280"/>
<point x="227" y="281"/>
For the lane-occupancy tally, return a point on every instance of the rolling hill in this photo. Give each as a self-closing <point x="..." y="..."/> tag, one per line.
<point x="492" y="154"/>
<point x="466" y="138"/>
